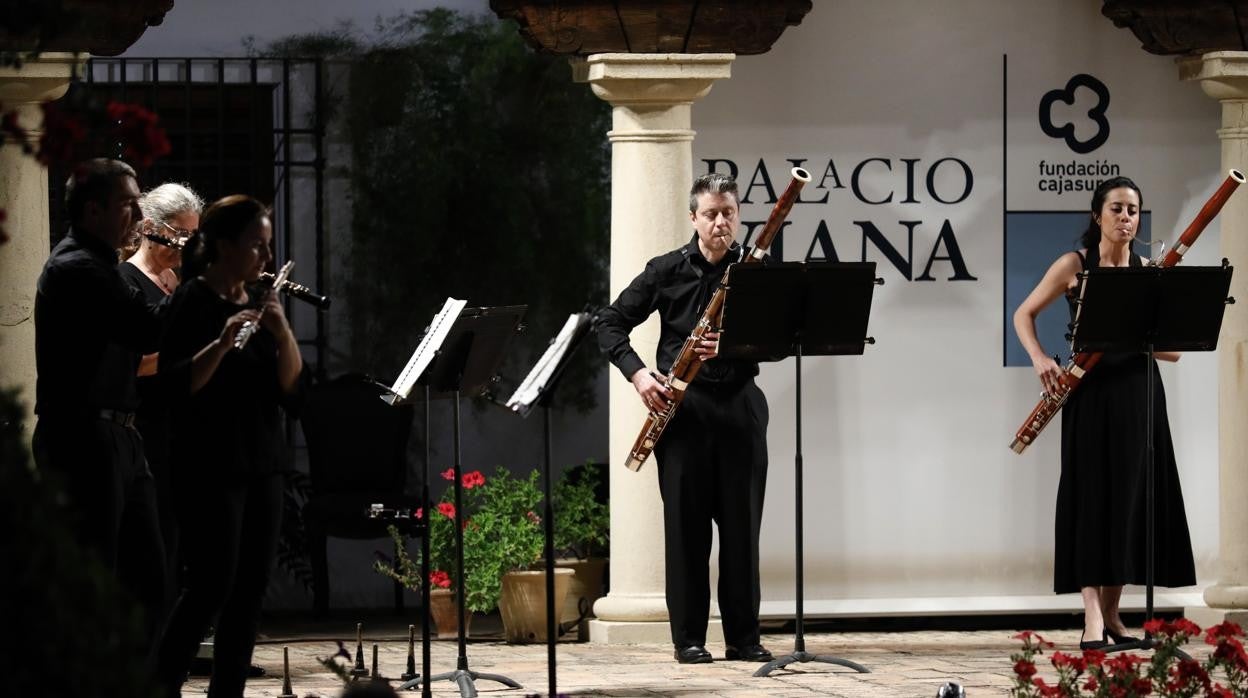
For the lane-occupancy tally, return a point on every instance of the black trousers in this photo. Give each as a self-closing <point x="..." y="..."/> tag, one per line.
<point x="112" y="503"/>
<point x="713" y="468"/>
<point x="229" y="539"/>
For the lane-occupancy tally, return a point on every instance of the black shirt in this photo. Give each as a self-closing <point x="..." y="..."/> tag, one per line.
<point x="91" y="329"/>
<point x="678" y="284"/>
<point x="153" y="412"/>
<point x="231" y="428"/>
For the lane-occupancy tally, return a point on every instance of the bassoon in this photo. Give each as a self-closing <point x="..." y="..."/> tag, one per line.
<point x="1082" y="362"/>
<point x="687" y="363"/>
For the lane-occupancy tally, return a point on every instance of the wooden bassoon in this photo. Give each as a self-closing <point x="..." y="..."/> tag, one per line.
<point x="687" y="364"/>
<point x="1083" y="362"/>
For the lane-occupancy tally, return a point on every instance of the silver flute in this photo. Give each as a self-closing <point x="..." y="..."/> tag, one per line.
<point x="249" y="328"/>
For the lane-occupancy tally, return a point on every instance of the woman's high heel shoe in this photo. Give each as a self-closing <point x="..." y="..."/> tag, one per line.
<point x="1093" y="644"/>
<point x="1120" y="639"/>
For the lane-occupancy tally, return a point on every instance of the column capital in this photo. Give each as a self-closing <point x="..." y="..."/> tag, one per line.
<point x="660" y="79"/>
<point x="1222" y="74"/>
<point x="39" y="80"/>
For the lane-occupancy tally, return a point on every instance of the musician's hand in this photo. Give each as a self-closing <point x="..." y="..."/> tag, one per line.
<point x="274" y="317"/>
<point x="1050" y="374"/>
<point x="707" y="348"/>
<point x="234" y="324"/>
<point x="654" y="393"/>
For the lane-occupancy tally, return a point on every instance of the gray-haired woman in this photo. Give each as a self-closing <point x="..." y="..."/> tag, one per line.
<point x="170" y="212"/>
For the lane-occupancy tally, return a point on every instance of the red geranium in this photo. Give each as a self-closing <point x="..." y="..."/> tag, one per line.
<point x="440" y="579"/>
<point x="420" y="513"/>
<point x="447" y="509"/>
<point x="63" y="133"/>
<point x="473" y="479"/>
<point x="1025" y="669"/>
<point x="448" y="474"/>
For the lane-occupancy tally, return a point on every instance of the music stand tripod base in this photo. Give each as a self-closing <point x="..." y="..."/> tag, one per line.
<point x="803" y="656"/>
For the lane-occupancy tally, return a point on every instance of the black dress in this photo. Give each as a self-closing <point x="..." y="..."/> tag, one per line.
<point x="152" y="421"/>
<point x="228" y="451"/>
<point x="1101" y="527"/>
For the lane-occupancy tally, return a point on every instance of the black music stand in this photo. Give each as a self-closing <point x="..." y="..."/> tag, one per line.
<point x="538" y="389"/>
<point x="464" y="364"/>
<point x="793" y="309"/>
<point x="1150" y="309"/>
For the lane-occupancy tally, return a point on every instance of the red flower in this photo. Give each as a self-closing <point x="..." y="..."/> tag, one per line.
<point x="1141" y="687"/>
<point x="62" y="135"/>
<point x="534" y="518"/>
<point x="449" y="474"/>
<point x="1061" y="659"/>
<point x="142" y="138"/>
<point x="1094" y="657"/>
<point x="447" y="509"/>
<point x="420" y="513"/>
<point x="1024" y="669"/>
<point x="1027" y="636"/>
<point x="1226" y="629"/>
<point x="440" y="579"/>
<point x="473" y="479"/>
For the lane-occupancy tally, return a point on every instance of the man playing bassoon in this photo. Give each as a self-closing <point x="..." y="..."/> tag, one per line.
<point x="712" y="458"/>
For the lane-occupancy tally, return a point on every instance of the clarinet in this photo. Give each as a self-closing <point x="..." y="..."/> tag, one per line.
<point x="1084" y="361"/>
<point x="687" y="363"/>
<point x="249" y="328"/>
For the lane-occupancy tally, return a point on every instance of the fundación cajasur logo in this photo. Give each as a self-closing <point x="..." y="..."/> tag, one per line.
<point x="1075" y="175"/>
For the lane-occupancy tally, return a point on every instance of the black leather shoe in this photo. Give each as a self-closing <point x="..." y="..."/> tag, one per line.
<point x="749" y="653"/>
<point x="1093" y="644"/>
<point x="1120" y="639"/>
<point x="694" y="654"/>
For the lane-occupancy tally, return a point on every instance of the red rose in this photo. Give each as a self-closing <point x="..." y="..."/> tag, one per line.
<point x="440" y="579"/>
<point x="449" y="474"/>
<point x="447" y="509"/>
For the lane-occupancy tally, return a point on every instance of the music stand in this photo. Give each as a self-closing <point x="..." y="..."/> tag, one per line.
<point x="465" y="363"/>
<point x="538" y="389"/>
<point x="792" y="309"/>
<point x="1150" y="309"/>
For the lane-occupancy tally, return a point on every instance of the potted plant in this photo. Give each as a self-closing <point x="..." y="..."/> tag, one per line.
<point x="502" y="539"/>
<point x="505" y="536"/>
<point x="582" y="530"/>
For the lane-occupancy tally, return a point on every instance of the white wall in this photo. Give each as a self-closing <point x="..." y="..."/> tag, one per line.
<point x="914" y="501"/>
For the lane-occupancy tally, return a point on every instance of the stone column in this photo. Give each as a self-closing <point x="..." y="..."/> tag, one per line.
<point x="24" y="198"/>
<point x="651" y="170"/>
<point x="1224" y="76"/>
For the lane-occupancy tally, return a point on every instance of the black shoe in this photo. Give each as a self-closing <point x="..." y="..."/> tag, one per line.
<point x="1093" y="644"/>
<point x="749" y="653"/>
<point x="1120" y="639"/>
<point x="694" y="654"/>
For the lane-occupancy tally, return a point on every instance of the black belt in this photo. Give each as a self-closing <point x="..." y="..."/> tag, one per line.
<point x="125" y="419"/>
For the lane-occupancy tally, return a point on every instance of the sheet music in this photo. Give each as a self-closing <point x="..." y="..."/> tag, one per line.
<point x="439" y="327"/>
<point x="535" y="383"/>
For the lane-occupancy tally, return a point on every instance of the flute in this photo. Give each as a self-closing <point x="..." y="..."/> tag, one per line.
<point x="249" y="328"/>
<point x="301" y="292"/>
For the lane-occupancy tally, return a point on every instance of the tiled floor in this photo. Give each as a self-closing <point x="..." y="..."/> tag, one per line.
<point x="902" y="664"/>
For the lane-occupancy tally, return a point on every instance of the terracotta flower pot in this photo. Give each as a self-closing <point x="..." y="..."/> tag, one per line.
<point x="585" y="589"/>
<point x="445" y="614"/>
<point x="523" y="603"/>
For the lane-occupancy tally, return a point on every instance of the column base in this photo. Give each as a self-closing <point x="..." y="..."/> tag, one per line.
<point x="616" y="632"/>
<point x="1227" y="596"/>
<point x="1205" y="616"/>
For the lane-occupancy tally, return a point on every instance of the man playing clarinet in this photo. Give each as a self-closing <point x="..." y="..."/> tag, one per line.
<point x="712" y="458"/>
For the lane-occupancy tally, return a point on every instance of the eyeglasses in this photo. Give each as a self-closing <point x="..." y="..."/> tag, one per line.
<point x="183" y="234"/>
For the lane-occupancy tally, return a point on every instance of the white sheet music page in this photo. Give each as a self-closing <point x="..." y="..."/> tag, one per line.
<point x="534" y="383"/>
<point x="439" y="327"/>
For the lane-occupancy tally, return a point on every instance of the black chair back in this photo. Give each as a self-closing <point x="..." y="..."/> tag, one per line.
<point x="356" y="442"/>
